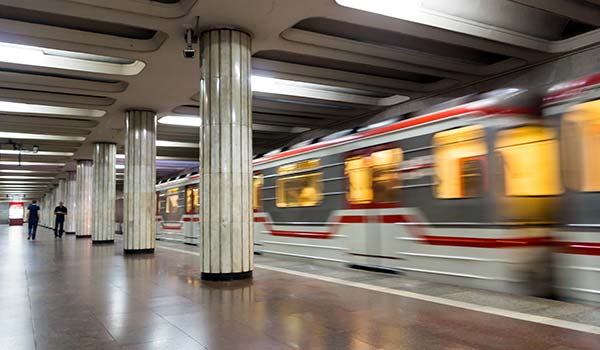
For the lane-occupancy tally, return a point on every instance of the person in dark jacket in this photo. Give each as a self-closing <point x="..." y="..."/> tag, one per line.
<point x="33" y="217"/>
<point x="59" y="223"/>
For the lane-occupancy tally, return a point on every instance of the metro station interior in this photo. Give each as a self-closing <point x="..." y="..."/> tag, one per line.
<point x="317" y="174"/>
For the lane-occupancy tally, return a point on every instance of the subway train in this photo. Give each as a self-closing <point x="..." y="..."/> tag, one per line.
<point x="498" y="190"/>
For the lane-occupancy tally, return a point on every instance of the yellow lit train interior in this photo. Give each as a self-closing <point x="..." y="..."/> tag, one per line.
<point x="580" y="145"/>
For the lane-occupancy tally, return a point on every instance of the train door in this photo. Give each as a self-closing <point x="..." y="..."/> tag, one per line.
<point x="373" y="187"/>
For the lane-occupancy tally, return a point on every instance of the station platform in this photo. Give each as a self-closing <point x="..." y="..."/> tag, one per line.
<point x="67" y="294"/>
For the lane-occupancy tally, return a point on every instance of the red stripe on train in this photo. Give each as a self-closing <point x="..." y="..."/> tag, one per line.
<point x="191" y="219"/>
<point x="580" y="248"/>
<point x="300" y="234"/>
<point x="424" y="119"/>
<point x="488" y="242"/>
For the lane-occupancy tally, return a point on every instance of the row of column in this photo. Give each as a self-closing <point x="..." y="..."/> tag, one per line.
<point x="226" y="217"/>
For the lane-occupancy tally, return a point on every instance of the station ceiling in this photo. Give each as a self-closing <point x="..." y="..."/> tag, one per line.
<point x="70" y="68"/>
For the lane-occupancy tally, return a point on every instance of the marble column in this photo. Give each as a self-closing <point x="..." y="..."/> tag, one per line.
<point x="61" y="190"/>
<point x="105" y="187"/>
<point x="226" y="156"/>
<point x="85" y="178"/>
<point x="139" y="200"/>
<point x="71" y="203"/>
<point x="50" y="207"/>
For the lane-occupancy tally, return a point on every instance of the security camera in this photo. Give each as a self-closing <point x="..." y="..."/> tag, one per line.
<point x="189" y="50"/>
<point x="35" y="148"/>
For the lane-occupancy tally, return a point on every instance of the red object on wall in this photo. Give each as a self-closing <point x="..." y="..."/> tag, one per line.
<point x="15" y="213"/>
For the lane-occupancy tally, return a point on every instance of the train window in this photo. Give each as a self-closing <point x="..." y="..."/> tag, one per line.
<point x="191" y="199"/>
<point x="530" y="158"/>
<point x="360" y="179"/>
<point x="257" y="183"/>
<point x="302" y="190"/>
<point x="580" y="140"/>
<point x="157" y="203"/>
<point x="300" y="166"/>
<point x="386" y="177"/>
<point x="459" y="156"/>
<point x="374" y="177"/>
<point x="172" y="201"/>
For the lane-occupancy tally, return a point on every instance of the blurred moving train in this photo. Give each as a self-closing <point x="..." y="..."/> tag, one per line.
<point x="499" y="190"/>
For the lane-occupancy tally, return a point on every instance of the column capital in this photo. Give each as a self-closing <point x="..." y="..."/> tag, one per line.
<point x="231" y="28"/>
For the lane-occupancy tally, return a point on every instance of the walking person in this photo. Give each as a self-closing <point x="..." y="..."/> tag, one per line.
<point x="33" y="217"/>
<point x="59" y="221"/>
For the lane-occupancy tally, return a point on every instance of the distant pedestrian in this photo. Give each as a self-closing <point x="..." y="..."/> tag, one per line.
<point x="60" y="212"/>
<point x="33" y="217"/>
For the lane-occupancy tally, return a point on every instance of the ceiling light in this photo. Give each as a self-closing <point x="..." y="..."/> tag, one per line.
<point x="17" y="163"/>
<point x="16" y="171"/>
<point x="22" y="182"/>
<point x="120" y="166"/>
<point x="191" y="120"/>
<point x="162" y="143"/>
<point x="20" y="135"/>
<point x="29" y="108"/>
<point x="389" y="8"/>
<point x="26" y="177"/>
<point x="286" y="87"/>
<point x="23" y="185"/>
<point x="38" y="153"/>
<point x="69" y="60"/>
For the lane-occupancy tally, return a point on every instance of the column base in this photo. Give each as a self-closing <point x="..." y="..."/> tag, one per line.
<point x="84" y="236"/>
<point x="139" y="251"/>
<point x="106" y="241"/>
<point x="207" y="276"/>
<point x="69" y="233"/>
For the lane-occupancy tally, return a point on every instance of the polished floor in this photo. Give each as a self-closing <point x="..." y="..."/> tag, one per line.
<point x="68" y="294"/>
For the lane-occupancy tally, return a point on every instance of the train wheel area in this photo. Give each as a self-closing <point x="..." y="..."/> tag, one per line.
<point x="70" y="294"/>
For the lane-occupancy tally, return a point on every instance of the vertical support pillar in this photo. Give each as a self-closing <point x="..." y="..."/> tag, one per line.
<point x="139" y="200"/>
<point x="84" y="198"/>
<point x="71" y="203"/>
<point x="105" y="160"/>
<point x="49" y="213"/>
<point x="226" y="155"/>
<point x="60" y="191"/>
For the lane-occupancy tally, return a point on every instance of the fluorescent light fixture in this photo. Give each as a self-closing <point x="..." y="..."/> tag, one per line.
<point x="191" y="120"/>
<point x="16" y="171"/>
<point x="162" y="143"/>
<point x="319" y="92"/>
<point x="181" y="120"/>
<point x="8" y="162"/>
<point x="29" y="108"/>
<point x="23" y="185"/>
<point x="120" y="166"/>
<point x="38" y="153"/>
<point x="390" y="8"/>
<point x="22" y="182"/>
<point x="68" y="60"/>
<point x="26" y="177"/>
<point x="21" y="135"/>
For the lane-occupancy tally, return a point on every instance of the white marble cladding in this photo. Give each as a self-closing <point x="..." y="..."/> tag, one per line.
<point x="226" y="152"/>
<point x="139" y="199"/>
<point x="85" y="178"/>
<point x="104" y="193"/>
<point x="61" y="190"/>
<point x="71" y="202"/>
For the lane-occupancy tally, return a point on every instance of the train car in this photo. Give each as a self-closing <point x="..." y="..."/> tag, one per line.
<point x="575" y="107"/>
<point x="177" y="209"/>
<point x="466" y="193"/>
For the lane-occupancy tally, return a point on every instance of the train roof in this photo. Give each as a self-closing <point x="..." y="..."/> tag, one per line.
<point x="485" y="103"/>
<point x="568" y="89"/>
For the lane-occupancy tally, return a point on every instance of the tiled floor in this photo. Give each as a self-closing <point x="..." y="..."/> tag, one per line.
<point x="68" y="294"/>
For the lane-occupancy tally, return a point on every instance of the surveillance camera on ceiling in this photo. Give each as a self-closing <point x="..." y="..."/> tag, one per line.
<point x="189" y="51"/>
